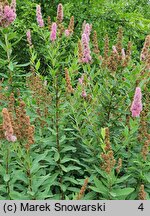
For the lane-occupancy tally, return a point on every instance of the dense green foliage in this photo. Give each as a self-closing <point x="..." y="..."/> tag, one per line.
<point x="79" y="138"/>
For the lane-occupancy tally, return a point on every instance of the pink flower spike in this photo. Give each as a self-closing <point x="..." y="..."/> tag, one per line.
<point x="136" y="106"/>
<point x="87" y="31"/>
<point x="53" y="32"/>
<point x="9" y="14"/>
<point x="39" y="16"/>
<point x="28" y="34"/>
<point x="60" y="13"/>
<point x="86" y="49"/>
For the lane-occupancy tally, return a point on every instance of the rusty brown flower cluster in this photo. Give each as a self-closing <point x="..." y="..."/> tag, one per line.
<point x="1" y="132"/>
<point x="144" y="136"/>
<point x="2" y="96"/>
<point x="49" y="23"/>
<point x="7" y="126"/>
<point x="145" y="57"/>
<point x="69" y="88"/>
<point x="16" y="123"/>
<point x="119" y="166"/>
<point x="142" y="193"/>
<point x="71" y="25"/>
<point x="83" y="189"/>
<point x="145" y="51"/>
<point x="107" y="139"/>
<point x="41" y="96"/>
<point x="128" y="55"/>
<point x="108" y="161"/>
<point x="106" y="52"/>
<point x="24" y="130"/>
<point x="95" y="44"/>
<point x="118" y="57"/>
<point x="113" y="61"/>
<point x="119" y="43"/>
<point x="59" y="13"/>
<point x="80" y="53"/>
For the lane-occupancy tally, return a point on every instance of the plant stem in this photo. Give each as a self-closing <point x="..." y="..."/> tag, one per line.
<point x="7" y="170"/>
<point x="57" y="115"/>
<point x="57" y="128"/>
<point x="8" y="52"/>
<point x="29" y="172"/>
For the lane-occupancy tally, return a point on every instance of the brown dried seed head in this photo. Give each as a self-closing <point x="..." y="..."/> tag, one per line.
<point x="119" y="165"/>
<point x="49" y="23"/>
<point x="145" y="50"/>
<point x="7" y="126"/>
<point x="68" y="82"/>
<point x="119" y="40"/>
<point x="142" y="193"/>
<point x="71" y="25"/>
<point x="80" y="53"/>
<point x="83" y="189"/>
<point x="95" y="43"/>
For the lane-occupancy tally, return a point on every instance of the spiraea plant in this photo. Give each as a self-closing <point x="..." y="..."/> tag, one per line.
<point x="74" y="124"/>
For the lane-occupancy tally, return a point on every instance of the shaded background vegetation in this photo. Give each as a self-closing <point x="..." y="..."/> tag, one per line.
<point x="105" y="16"/>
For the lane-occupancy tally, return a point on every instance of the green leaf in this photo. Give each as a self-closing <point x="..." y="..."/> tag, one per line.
<point x="37" y="66"/>
<point x="14" y="195"/>
<point x="63" y="168"/>
<point x="101" y="172"/>
<point x="3" y="45"/>
<point x="71" y="167"/>
<point x="121" y="192"/>
<point x="56" y="156"/>
<point x="11" y="66"/>
<point x="147" y="176"/>
<point x="35" y="164"/>
<point x="65" y="159"/>
<point x="70" y="179"/>
<point x="3" y="75"/>
<point x="23" y="65"/>
<point x="19" y="175"/>
<point x="6" y="177"/>
<point x="38" y="181"/>
<point x="90" y="196"/>
<point x="68" y="148"/>
<point x="122" y="179"/>
<point x="52" y="179"/>
<point x="99" y="186"/>
<point x="103" y="133"/>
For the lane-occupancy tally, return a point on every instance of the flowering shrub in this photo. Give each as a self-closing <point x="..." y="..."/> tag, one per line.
<point x="76" y="126"/>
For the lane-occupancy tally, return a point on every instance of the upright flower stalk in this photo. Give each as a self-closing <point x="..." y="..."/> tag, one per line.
<point x="86" y="49"/>
<point x="136" y="106"/>
<point x="39" y="16"/>
<point x="7" y="126"/>
<point x="9" y="135"/>
<point x="28" y="34"/>
<point x="70" y="28"/>
<point x="60" y="14"/>
<point x="87" y="30"/>
<point x="53" y="32"/>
